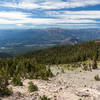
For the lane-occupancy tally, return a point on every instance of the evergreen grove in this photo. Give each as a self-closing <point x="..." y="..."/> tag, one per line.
<point x="66" y="54"/>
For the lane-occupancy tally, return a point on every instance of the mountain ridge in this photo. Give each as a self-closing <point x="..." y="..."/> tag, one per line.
<point x="16" y="41"/>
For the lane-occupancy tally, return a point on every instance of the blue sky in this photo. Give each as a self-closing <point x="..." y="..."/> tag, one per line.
<point x="49" y="13"/>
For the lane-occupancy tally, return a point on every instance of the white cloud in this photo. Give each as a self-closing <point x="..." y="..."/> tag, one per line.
<point x="49" y="18"/>
<point x="74" y="14"/>
<point x="14" y="15"/>
<point x="21" y="19"/>
<point x="19" y="25"/>
<point x="50" y="4"/>
<point x="22" y="5"/>
<point x="37" y="21"/>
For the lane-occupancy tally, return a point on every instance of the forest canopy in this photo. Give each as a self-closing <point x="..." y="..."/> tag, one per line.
<point x="66" y="54"/>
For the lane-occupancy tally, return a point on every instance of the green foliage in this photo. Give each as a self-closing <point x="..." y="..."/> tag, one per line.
<point x="85" y="67"/>
<point x="18" y="68"/>
<point x="44" y="98"/>
<point x="3" y="86"/>
<point x="94" y="64"/>
<point x="97" y="78"/>
<point x="46" y="74"/>
<point x="62" y="70"/>
<point x="66" y="54"/>
<point x="32" y="87"/>
<point x="16" y="81"/>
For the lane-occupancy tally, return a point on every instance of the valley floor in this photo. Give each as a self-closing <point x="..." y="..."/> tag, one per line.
<point x="70" y="85"/>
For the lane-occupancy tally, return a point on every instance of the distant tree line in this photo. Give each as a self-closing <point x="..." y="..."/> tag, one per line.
<point x="66" y="54"/>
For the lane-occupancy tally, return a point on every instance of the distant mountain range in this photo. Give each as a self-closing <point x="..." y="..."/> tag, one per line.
<point x="19" y="41"/>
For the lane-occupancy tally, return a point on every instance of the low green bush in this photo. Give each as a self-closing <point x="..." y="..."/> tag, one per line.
<point x="32" y="87"/>
<point x="16" y="81"/>
<point x="4" y="90"/>
<point x="85" y="67"/>
<point x="97" y="78"/>
<point x="44" y="98"/>
<point x="94" y="64"/>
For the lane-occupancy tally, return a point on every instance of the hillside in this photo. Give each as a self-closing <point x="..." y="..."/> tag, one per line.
<point x="70" y="85"/>
<point x="66" y="54"/>
<point x="60" y="73"/>
<point x="5" y="55"/>
<point x="23" y="40"/>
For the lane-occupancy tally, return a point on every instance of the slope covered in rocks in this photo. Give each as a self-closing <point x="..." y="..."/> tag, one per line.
<point x="68" y="85"/>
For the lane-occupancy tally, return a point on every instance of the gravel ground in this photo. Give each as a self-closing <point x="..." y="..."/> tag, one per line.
<point x="70" y="85"/>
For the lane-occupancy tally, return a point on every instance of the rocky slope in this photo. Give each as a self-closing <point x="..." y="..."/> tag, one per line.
<point x="70" y="85"/>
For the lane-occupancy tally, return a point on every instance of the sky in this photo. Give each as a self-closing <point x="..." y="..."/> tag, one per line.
<point x="26" y="14"/>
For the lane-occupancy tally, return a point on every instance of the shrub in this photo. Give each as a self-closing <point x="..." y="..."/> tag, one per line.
<point x="97" y="78"/>
<point x="62" y="70"/>
<point x="5" y="91"/>
<point x="16" y="81"/>
<point x="30" y="75"/>
<point x="44" y="98"/>
<point x="57" y="73"/>
<point x="85" y="67"/>
<point x="3" y="87"/>
<point x="94" y="64"/>
<point x="49" y="73"/>
<point x="45" y="74"/>
<point x="32" y="87"/>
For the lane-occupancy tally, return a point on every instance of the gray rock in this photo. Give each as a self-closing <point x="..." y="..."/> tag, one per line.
<point x="87" y="92"/>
